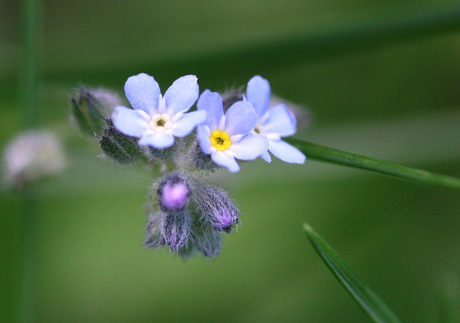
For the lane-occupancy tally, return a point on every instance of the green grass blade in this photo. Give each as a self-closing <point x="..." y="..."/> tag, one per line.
<point x="370" y="302"/>
<point x="334" y="156"/>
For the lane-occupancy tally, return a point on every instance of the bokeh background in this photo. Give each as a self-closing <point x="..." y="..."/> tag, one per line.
<point x="387" y="97"/>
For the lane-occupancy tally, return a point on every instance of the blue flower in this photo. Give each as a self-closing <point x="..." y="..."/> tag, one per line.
<point x="157" y="119"/>
<point x="226" y="137"/>
<point x="273" y="123"/>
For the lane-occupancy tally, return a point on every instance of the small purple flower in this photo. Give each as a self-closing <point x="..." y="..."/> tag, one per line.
<point x="157" y="119"/>
<point x="174" y="190"/>
<point x="273" y="123"/>
<point x="174" y="196"/>
<point x="226" y="137"/>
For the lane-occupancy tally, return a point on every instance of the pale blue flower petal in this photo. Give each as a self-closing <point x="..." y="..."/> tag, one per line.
<point x="187" y="122"/>
<point x="280" y="121"/>
<point x="240" y="118"/>
<point x="225" y="160"/>
<point x="157" y="140"/>
<point x="143" y="92"/>
<point x="266" y="156"/>
<point x="286" y="152"/>
<point x="130" y="122"/>
<point x="204" y="139"/>
<point x="182" y="94"/>
<point x="211" y="102"/>
<point x="258" y="93"/>
<point x="250" y="147"/>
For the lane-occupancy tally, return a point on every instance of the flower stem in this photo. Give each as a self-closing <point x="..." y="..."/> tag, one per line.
<point x="28" y="254"/>
<point x="28" y="85"/>
<point x="339" y="157"/>
<point x="29" y="102"/>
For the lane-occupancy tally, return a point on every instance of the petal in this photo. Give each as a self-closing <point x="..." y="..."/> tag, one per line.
<point x="130" y="122"/>
<point x="225" y="160"/>
<point x="280" y="121"/>
<point x="258" y="93"/>
<point x="211" y="102"/>
<point x="143" y="92"/>
<point x="182" y="94"/>
<point x="266" y="156"/>
<point x="187" y="122"/>
<point x="240" y="118"/>
<point x="250" y="147"/>
<point x="204" y="139"/>
<point x="157" y="140"/>
<point x="286" y="152"/>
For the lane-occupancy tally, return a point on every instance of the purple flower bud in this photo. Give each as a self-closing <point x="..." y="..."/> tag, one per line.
<point x="174" y="196"/>
<point x="217" y="208"/>
<point x="174" y="191"/>
<point x="224" y="218"/>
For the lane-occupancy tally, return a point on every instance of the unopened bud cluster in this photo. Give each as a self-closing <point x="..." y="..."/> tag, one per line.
<point x="186" y="214"/>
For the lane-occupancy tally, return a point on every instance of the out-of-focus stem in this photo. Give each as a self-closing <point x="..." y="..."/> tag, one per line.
<point x="29" y="103"/>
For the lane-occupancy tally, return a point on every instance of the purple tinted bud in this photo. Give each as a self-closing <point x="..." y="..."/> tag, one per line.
<point x="224" y="218"/>
<point x="174" y="196"/>
<point x="175" y="229"/>
<point x="216" y="207"/>
<point x="174" y="191"/>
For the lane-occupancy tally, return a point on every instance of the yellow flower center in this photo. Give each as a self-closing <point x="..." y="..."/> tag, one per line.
<point x="220" y="140"/>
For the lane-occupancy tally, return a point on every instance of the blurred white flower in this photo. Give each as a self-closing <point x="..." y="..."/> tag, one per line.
<point x="31" y="156"/>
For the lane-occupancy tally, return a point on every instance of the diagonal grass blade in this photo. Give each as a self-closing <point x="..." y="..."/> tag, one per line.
<point x="369" y="301"/>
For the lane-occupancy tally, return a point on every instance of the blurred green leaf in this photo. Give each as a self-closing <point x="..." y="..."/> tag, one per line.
<point x="289" y="44"/>
<point x="335" y="156"/>
<point x="370" y="302"/>
<point x="448" y="300"/>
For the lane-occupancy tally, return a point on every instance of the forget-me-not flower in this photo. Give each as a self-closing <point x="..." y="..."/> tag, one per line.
<point x="157" y="119"/>
<point x="229" y="136"/>
<point x="273" y="123"/>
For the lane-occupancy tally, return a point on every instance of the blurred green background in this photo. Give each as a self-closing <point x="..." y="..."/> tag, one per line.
<point x="387" y="97"/>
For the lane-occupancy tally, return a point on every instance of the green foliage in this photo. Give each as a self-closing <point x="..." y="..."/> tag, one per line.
<point x="325" y="154"/>
<point x="366" y="298"/>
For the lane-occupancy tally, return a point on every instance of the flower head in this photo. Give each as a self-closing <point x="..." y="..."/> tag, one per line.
<point x="229" y="136"/>
<point x="31" y="156"/>
<point x="273" y="123"/>
<point x="157" y="119"/>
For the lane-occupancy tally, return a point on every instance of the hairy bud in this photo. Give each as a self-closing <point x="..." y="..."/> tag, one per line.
<point x="216" y="207"/>
<point x="121" y="148"/>
<point x="154" y="238"/>
<point x="231" y="96"/>
<point x="166" y="154"/>
<point x="91" y="107"/>
<point x="200" y="159"/>
<point x="175" y="229"/>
